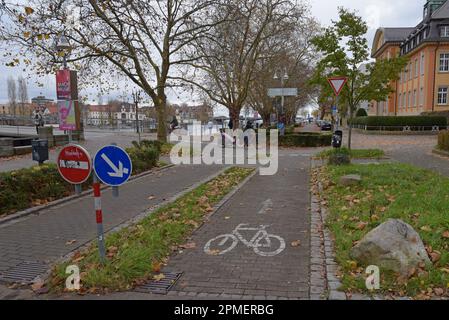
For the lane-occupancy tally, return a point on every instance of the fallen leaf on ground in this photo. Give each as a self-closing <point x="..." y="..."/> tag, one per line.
<point x="78" y="259"/>
<point x="439" y="291"/>
<point x="227" y="218"/>
<point x="37" y="285"/>
<point x="156" y="267"/>
<point x="190" y="245"/>
<point x="435" y="256"/>
<point x="296" y="243"/>
<point x="159" y="277"/>
<point x="213" y="252"/>
<point x="68" y="243"/>
<point x="426" y="229"/>
<point x="446" y="270"/>
<point x="151" y="197"/>
<point x="362" y="225"/>
<point x="445" y="234"/>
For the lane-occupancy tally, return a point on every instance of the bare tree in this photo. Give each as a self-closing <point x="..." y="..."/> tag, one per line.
<point x="296" y="58"/>
<point x="23" y="94"/>
<point x="12" y="95"/>
<point x="230" y="52"/>
<point x="142" y="41"/>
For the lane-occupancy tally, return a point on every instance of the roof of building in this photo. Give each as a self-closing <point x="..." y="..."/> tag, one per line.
<point x="442" y="12"/>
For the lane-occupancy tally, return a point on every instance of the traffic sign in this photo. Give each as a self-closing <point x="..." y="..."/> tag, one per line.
<point x="113" y="166"/>
<point x="337" y="84"/>
<point x="74" y="164"/>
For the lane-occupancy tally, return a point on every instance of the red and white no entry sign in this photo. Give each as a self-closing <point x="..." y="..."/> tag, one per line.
<point x="74" y="164"/>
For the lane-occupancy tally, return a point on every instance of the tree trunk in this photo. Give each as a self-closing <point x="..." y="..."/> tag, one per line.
<point x="162" y="127"/>
<point x="350" y="128"/>
<point x="234" y="115"/>
<point x="266" y="117"/>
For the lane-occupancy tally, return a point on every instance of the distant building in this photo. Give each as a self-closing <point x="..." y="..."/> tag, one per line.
<point x="123" y="113"/>
<point x="424" y="84"/>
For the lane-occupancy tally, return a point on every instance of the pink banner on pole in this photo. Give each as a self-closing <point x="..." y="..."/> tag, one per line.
<point x="63" y="85"/>
<point x="66" y="113"/>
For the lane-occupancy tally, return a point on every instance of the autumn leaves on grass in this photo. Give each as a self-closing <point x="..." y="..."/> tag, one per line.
<point x="389" y="191"/>
<point x="138" y="253"/>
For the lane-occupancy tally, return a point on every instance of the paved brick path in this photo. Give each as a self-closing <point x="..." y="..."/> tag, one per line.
<point x="43" y="237"/>
<point x="282" y="203"/>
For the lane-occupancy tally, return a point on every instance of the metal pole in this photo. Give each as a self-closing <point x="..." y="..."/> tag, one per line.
<point x="99" y="218"/>
<point x="337" y="120"/>
<point x="115" y="190"/>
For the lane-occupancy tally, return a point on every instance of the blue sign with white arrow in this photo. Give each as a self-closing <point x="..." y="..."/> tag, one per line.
<point x="113" y="166"/>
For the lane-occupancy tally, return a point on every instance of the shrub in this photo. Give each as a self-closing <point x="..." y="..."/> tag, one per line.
<point x="145" y="155"/>
<point x="361" y="113"/>
<point x="443" y="140"/>
<point x="305" y="140"/>
<point x="25" y="188"/>
<point x="397" y="123"/>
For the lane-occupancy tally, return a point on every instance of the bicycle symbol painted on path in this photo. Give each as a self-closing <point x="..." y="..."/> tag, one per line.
<point x="263" y="243"/>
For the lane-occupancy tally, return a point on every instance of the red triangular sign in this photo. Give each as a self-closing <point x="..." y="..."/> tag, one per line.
<point x="337" y="84"/>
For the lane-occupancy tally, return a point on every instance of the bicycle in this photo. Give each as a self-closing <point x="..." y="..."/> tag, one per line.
<point x="261" y="240"/>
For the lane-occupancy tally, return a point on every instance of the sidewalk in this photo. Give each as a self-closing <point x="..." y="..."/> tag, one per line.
<point x="50" y="235"/>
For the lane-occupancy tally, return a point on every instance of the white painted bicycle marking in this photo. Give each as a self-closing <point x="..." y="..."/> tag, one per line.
<point x="261" y="242"/>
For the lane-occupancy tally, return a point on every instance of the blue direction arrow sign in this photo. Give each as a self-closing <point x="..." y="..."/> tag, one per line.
<point x="113" y="166"/>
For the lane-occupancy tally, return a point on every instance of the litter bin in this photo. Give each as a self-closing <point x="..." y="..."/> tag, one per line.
<point x="40" y="150"/>
<point x="337" y="139"/>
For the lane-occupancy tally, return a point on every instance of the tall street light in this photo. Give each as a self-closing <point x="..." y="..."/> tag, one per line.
<point x="283" y="77"/>
<point x="63" y="45"/>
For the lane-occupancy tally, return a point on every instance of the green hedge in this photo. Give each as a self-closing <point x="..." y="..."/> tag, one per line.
<point x="305" y="140"/>
<point x="145" y="155"/>
<point x="22" y="189"/>
<point x="397" y="123"/>
<point x="29" y="187"/>
<point x="361" y="113"/>
<point x="443" y="140"/>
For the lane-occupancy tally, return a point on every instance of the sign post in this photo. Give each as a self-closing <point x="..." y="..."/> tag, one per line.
<point x="337" y="84"/>
<point x="99" y="217"/>
<point x="74" y="165"/>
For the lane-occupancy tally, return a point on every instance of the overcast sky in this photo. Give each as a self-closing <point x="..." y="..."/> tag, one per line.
<point x="386" y="13"/>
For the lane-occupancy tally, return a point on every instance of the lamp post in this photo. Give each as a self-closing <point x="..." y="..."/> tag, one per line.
<point x="63" y="46"/>
<point x="136" y="97"/>
<point x="283" y="77"/>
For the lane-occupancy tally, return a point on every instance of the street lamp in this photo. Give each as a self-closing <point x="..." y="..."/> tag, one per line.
<point x="63" y="45"/>
<point x="136" y="97"/>
<point x="283" y="79"/>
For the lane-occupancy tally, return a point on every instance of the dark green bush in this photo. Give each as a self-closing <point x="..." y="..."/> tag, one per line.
<point x="305" y="140"/>
<point x="361" y="113"/>
<point x="25" y="188"/>
<point x="443" y="140"/>
<point x="145" y="155"/>
<point x="397" y="123"/>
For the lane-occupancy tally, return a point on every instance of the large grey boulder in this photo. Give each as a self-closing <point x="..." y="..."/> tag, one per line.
<point x="394" y="245"/>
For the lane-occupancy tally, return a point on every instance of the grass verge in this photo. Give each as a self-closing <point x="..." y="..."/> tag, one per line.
<point x="353" y="153"/>
<point x="137" y="253"/>
<point x="417" y="196"/>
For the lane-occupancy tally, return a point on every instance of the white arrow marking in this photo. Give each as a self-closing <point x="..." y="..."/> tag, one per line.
<point x="118" y="172"/>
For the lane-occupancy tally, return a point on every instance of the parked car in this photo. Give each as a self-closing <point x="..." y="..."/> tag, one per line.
<point x="326" y="126"/>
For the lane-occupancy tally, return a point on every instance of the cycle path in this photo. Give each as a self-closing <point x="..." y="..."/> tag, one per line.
<point x="278" y="269"/>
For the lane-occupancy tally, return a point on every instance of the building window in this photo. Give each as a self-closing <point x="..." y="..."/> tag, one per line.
<point x="421" y="96"/>
<point x="422" y="63"/>
<point x="416" y="68"/>
<point x="442" y="96"/>
<point x="444" y="62"/>
<point x="400" y="100"/>
<point x="410" y="71"/>
<point x="415" y="100"/>
<point x="444" y="32"/>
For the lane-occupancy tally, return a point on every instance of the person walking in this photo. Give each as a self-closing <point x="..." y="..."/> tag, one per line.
<point x="38" y="120"/>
